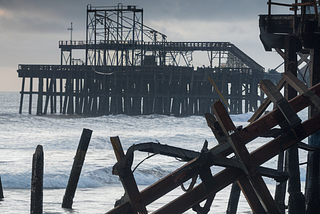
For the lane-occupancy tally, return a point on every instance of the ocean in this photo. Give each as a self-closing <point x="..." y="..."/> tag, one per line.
<point x="98" y="188"/>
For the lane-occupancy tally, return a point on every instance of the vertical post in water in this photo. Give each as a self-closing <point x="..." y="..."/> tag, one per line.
<point x="234" y="198"/>
<point x="30" y="95"/>
<point x="1" y="191"/>
<point x="40" y="95"/>
<point x="296" y="201"/>
<point x="76" y="168"/>
<point x="313" y="177"/>
<point x="37" y="181"/>
<point x="22" y="93"/>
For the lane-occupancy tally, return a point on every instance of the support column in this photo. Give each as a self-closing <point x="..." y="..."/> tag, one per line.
<point x="30" y="95"/>
<point x="296" y="198"/>
<point x="22" y="93"/>
<point x="40" y="95"/>
<point x="312" y="180"/>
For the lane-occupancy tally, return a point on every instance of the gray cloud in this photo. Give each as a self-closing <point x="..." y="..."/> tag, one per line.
<point x="35" y="14"/>
<point x="38" y="25"/>
<point x="52" y="16"/>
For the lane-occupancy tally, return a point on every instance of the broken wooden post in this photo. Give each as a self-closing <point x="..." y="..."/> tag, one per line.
<point x="76" y="168"/>
<point x="1" y="191"/>
<point x="234" y="198"/>
<point x="127" y="179"/>
<point x="37" y="181"/>
<point x="252" y="197"/>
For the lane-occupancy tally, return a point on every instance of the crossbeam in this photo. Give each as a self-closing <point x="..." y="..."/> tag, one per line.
<point x="230" y="175"/>
<point x="243" y="155"/>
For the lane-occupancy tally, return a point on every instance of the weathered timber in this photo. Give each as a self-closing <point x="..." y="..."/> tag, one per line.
<point x="292" y="120"/>
<point x="248" y="133"/>
<point x="297" y="34"/>
<point x="280" y="193"/>
<point x="40" y="95"/>
<point x="76" y="168"/>
<point x="265" y="103"/>
<point x="243" y="182"/>
<point x="291" y="117"/>
<point x="30" y="95"/>
<point x="296" y="204"/>
<point x="241" y="152"/>
<point x="127" y="179"/>
<point x="166" y="90"/>
<point x="302" y="88"/>
<point x="22" y="93"/>
<point x="217" y="90"/>
<point x="234" y="198"/>
<point x="227" y="176"/>
<point x="1" y="190"/>
<point x="312" y="184"/>
<point x="36" y="206"/>
<point x="313" y="177"/>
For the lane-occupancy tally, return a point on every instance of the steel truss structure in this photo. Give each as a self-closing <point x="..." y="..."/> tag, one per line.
<point x="117" y="36"/>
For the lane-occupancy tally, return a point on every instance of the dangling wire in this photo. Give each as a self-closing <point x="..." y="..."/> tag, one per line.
<point x="142" y="162"/>
<point x="101" y="73"/>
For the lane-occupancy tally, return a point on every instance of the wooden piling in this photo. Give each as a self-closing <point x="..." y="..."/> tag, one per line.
<point x="133" y="91"/>
<point x="1" y="190"/>
<point x="280" y="192"/>
<point x="22" y="93"/>
<point x="76" y="168"/>
<point x="40" y="96"/>
<point x="313" y="177"/>
<point x="37" y="182"/>
<point x="30" y="95"/>
<point x="128" y="180"/>
<point x="234" y="198"/>
<point x="296" y="198"/>
<point x="312" y="183"/>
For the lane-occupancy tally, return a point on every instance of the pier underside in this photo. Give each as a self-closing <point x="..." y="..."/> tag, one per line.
<point x="135" y="90"/>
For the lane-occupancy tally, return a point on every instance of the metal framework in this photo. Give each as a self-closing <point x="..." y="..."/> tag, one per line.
<point x="117" y="36"/>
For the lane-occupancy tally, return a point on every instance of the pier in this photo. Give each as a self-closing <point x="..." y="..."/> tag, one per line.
<point x="130" y="68"/>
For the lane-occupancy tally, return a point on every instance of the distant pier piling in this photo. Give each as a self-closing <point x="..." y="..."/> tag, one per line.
<point x="76" y="168"/>
<point x="37" y="182"/>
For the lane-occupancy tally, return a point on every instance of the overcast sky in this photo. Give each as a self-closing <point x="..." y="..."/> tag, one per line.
<point x="31" y="29"/>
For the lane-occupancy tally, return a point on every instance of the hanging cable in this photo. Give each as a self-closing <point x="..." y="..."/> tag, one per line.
<point x="101" y="73"/>
<point x="150" y="156"/>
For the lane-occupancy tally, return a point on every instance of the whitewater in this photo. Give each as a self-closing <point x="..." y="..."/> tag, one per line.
<point x="98" y="188"/>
